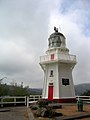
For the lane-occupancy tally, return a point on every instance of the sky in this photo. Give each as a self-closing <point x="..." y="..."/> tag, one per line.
<point x="25" y="26"/>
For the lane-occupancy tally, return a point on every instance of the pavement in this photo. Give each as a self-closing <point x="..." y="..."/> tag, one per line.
<point x="74" y="117"/>
<point x="24" y="113"/>
<point x="16" y="113"/>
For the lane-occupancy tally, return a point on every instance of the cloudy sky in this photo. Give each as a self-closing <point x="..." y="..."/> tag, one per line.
<point x="25" y="26"/>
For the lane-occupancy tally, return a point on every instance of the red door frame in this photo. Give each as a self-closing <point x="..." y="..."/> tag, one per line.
<point x="50" y="91"/>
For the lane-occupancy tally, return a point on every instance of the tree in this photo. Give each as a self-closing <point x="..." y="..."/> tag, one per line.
<point x="18" y="91"/>
<point x="4" y="90"/>
<point x="2" y="79"/>
<point x="10" y="90"/>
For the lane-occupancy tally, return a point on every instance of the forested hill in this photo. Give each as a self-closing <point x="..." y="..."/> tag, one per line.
<point x="10" y="90"/>
<point x="81" y="88"/>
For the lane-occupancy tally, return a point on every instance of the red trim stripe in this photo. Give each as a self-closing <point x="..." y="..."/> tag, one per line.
<point x="65" y="100"/>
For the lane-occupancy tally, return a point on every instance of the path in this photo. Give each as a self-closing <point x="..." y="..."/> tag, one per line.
<point x="14" y="113"/>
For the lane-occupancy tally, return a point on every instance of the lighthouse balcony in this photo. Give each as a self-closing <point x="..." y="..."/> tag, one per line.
<point x="64" y="58"/>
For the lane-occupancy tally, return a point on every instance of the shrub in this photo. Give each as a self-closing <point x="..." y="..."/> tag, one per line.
<point x="34" y="107"/>
<point x="42" y="103"/>
<point x="50" y="112"/>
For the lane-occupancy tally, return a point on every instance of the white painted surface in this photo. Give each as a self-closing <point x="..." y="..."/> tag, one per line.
<point x="62" y="66"/>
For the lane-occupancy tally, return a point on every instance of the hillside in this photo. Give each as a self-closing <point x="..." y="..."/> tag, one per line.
<point x="81" y="88"/>
<point x="17" y="90"/>
<point x="34" y="91"/>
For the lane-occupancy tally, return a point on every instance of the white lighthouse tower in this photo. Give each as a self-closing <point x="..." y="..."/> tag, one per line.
<point x="57" y="65"/>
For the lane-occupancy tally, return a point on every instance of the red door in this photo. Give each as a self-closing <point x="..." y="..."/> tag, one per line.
<point x="50" y="92"/>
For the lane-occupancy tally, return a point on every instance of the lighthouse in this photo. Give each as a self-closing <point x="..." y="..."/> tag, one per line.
<point x="57" y="65"/>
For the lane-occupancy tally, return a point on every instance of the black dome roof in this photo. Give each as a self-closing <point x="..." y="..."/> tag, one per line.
<point x="56" y="34"/>
<point x="56" y="38"/>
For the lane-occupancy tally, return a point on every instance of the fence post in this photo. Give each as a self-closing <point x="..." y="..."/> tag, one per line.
<point x="38" y="97"/>
<point x="2" y="102"/>
<point x="14" y="100"/>
<point x="27" y="102"/>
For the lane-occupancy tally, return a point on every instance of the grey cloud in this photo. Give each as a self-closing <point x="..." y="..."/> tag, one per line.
<point x="23" y="36"/>
<point x="24" y="26"/>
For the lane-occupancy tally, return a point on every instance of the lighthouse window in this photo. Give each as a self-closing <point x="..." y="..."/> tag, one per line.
<point x="51" y="73"/>
<point x="65" y="81"/>
<point x="50" y="84"/>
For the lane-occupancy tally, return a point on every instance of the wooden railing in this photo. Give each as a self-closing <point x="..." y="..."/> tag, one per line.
<point x="19" y="100"/>
<point x="85" y="99"/>
<point x="13" y="100"/>
<point x="33" y="99"/>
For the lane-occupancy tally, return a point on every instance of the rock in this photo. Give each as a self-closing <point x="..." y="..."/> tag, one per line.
<point x="41" y="112"/>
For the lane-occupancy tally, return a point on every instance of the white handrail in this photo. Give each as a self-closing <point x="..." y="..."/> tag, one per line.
<point x="33" y="99"/>
<point x="83" y="98"/>
<point x="60" y="57"/>
<point x="26" y="101"/>
<point x="13" y="98"/>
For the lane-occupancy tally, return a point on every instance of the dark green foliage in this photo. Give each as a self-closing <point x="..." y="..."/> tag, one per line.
<point x="34" y="107"/>
<point x="42" y="112"/>
<point x="45" y="110"/>
<point x="18" y="91"/>
<point x="8" y="100"/>
<point x="4" y="90"/>
<point x="42" y="103"/>
<point x="10" y="90"/>
<point x="50" y="112"/>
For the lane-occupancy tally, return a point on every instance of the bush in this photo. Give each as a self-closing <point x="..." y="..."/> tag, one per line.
<point x="45" y="112"/>
<point x="41" y="112"/>
<point x="8" y="100"/>
<point x="34" y="107"/>
<point x="42" y="103"/>
<point x="50" y="112"/>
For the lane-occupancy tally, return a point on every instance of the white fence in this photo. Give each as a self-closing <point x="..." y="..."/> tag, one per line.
<point x="12" y="100"/>
<point x="31" y="99"/>
<point x="85" y="99"/>
<point x="21" y="100"/>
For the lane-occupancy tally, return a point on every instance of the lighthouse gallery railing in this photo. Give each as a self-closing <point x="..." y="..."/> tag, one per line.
<point x="59" y="57"/>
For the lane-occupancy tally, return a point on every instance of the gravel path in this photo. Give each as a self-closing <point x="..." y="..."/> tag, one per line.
<point x="14" y="113"/>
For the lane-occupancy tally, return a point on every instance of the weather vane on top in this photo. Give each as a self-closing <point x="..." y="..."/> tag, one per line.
<point x="55" y="29"/>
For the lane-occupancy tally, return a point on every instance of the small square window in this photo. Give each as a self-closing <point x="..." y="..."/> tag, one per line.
<point x="50" y="84"/>
<point x="51" y="73"/>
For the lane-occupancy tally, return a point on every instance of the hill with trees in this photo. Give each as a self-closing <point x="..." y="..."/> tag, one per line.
<point x="19" y="90"/>
<point x="10" y="90"/>
<point x="80" y="89"/>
